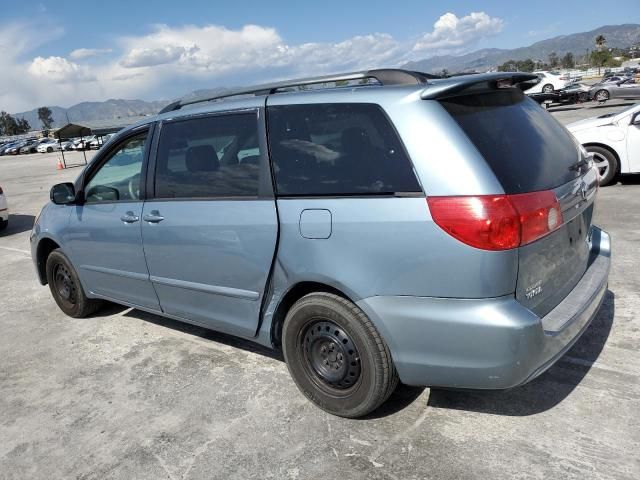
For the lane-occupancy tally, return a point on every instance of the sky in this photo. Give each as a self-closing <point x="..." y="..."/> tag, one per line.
<point x="64" y="52"/>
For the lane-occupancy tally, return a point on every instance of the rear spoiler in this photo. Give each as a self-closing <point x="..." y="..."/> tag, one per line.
<point x="457" y="85"/>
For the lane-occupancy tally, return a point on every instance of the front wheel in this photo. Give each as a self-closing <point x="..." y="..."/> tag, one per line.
<point x="601" y="96"/>
<point x="606" y="163"/>
<point x="49" y="149"/>
<point x="66" y="288"/>
<point x="336" y="356"/>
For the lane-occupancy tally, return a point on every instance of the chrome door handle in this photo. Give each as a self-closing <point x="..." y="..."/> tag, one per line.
<point x="153" y="217"/>
<point x="129" y="217"/>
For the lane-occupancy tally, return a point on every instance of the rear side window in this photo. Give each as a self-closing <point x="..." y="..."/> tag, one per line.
<point x="337" y="149"/>
<point x="527" y="149"/>
<point x="216" y="156"/>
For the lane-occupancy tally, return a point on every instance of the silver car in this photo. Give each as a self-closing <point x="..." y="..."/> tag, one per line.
<point x="375" y="227"/>
<point x="625" y="87"/>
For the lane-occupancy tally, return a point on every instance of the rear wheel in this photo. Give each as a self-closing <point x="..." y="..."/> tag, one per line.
<point x="606" y="163"/>
<point x="548" y="88"/>
<point x="66" y="288"/>
<point x="336" y="356"/>
<point x="601" y="96"/>
<point x="3" y="224"/>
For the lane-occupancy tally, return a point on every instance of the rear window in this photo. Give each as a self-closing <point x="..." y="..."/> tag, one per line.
<point x="337" y="149"/>
<point x="527" y="149"/>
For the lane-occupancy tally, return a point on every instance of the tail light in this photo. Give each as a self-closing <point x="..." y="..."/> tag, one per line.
<point x="564" y="78"/>
<point x="497" y="222"/>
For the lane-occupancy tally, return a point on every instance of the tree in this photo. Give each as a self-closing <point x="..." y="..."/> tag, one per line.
<point x="11" y="126"/>
<point x="600" y="42"/>
<point x="8" y="124"/>
<point x="568" y="61"/>
<point x="44" y="114"/>
<point x="22" y="126"/>
<point x="553" y="60"/>
<point x="527" y="65"/>
<point x="601" y="58"/>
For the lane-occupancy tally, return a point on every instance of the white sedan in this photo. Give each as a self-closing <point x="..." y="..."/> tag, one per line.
<point x="550" y="81"/>
<point x="4" y="211"/>
<point x="48" y="146"/>
<point x="614" y="141"/>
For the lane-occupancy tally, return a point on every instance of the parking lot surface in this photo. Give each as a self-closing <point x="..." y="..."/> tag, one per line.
<point x="126" y="394"/>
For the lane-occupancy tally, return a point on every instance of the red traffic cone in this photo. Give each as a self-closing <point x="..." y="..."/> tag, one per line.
<point x="59" y="166"/>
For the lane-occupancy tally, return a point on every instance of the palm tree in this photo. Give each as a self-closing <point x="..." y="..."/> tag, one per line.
<point x="600" y="42"/>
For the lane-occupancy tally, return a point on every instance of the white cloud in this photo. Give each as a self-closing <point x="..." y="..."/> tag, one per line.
<point x="81" y="53"/>
<point x="59" y="70"/>
<point x="170" y="61"/>
<point x="452" y="34"/>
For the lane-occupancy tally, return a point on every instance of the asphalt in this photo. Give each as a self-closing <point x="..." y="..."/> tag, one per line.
<point x="126" y="394"/>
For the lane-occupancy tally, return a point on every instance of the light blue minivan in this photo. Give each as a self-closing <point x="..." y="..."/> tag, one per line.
<point x="376" y="226"/>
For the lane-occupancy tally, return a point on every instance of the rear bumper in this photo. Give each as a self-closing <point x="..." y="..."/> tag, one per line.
<point x="493" y="343"/>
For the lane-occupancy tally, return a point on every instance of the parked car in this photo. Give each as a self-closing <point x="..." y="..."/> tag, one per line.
<point x="4" y="150"/>
<point x="49" y="146"/>
<point x="549" y="81"/>
<point x="613" y="140"/>
<point x="347" y="243"/>
<point x="84" y="143"/>
<point x="29" y="147"/>
<point x="4" y="210"/>
<point x="574" y="93"/>
<point x="15" y="148"/>
<point x="68" y="145"/>
<point x="625" y="88"/>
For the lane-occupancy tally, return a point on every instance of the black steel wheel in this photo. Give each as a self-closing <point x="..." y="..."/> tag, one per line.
<point x="330" y="355"/>
<point x="336" y="356"/>
<point x="66" y="288"/>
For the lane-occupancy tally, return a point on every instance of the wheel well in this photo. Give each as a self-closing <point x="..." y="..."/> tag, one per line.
<point x="298" y="291"/>
<point x="45" y="247"/>
<point x="606" y="147"/>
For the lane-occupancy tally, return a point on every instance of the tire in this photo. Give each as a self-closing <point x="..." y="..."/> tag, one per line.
<point x="601" y="96"/>
<point x="323" y="332"/>
<point x="3" y="224"/>
<point x="606" y="163"/>
<point x="49" y="150"/>
<point x="548" y="88"/>
<point x="66" y="288"/>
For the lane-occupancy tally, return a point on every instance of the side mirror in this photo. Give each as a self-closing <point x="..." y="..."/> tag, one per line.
<point x="63" y="193"/>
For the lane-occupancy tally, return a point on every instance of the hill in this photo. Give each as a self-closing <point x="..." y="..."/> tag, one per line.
<point x="112" y="109"/>
<point x="618" y="36"/>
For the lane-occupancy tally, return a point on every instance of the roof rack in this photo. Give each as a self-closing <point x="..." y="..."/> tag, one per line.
<point x="384" y="76"/>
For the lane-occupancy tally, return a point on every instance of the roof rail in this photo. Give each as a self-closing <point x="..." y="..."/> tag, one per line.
<point x="384" y="76"/>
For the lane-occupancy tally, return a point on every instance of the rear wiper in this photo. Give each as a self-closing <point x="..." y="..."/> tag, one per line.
<point x="578" y="165"/>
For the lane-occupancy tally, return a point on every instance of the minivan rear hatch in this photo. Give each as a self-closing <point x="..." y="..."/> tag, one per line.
<point x="529" y="151"/>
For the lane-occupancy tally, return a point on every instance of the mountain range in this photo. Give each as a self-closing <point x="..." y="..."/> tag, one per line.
<point x="617" y="36"/>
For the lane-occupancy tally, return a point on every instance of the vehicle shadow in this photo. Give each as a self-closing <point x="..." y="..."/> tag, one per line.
<point x="539" y="395"/>
<point x="629" y="179"/>
<point x="201" y="332"/>
<point x="18" y="223"/>
<point x="546" y="391"/>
